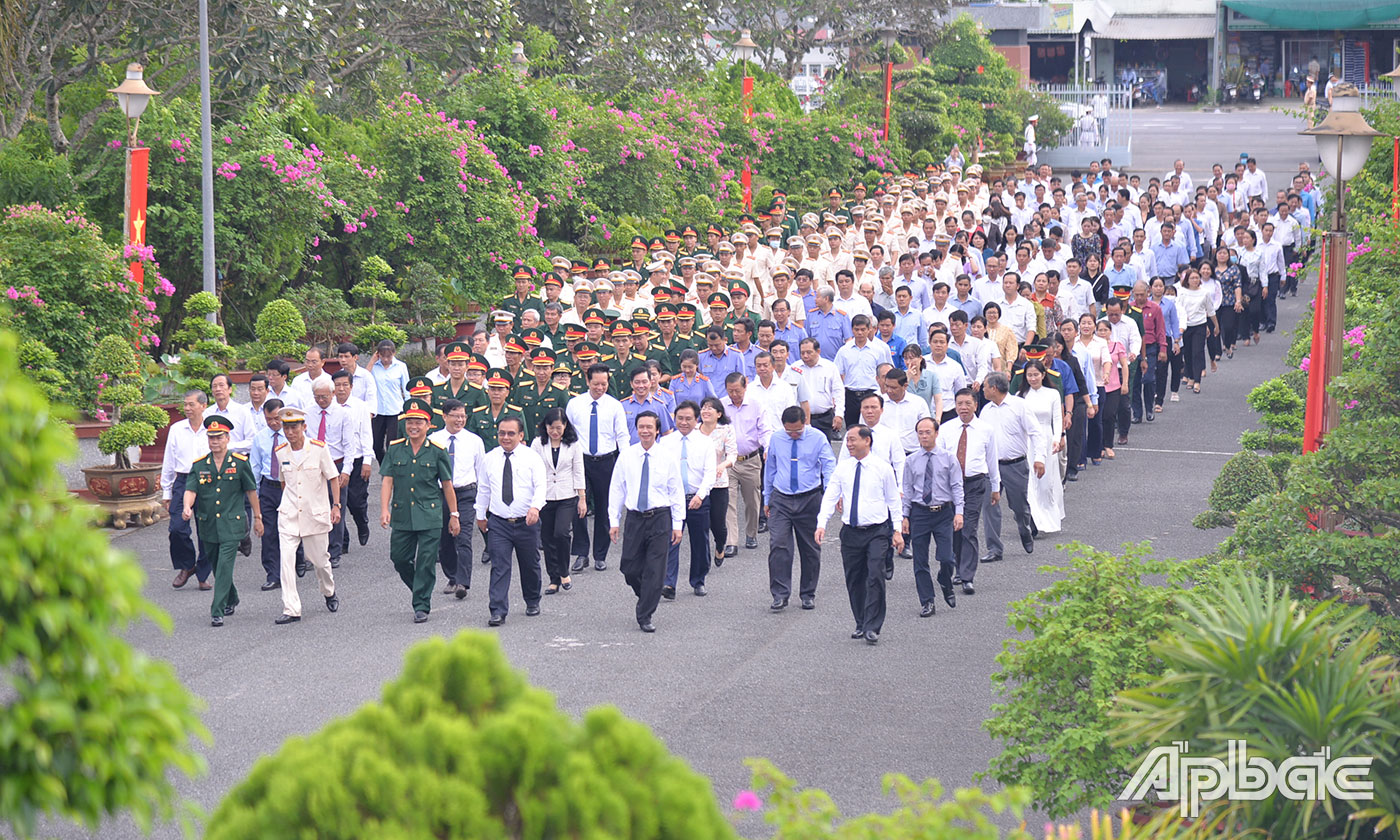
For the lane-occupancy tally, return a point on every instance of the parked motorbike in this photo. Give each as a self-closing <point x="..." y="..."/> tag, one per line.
<point x="1231" y="93"/>
<point x="1256" y="87"/>
<point x="1196" y="91"/>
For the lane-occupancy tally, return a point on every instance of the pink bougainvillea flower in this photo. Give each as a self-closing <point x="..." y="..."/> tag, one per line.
<point x="747" y="800"/>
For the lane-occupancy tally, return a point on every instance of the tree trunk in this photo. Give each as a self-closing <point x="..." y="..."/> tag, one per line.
<point x="56" y="135"/>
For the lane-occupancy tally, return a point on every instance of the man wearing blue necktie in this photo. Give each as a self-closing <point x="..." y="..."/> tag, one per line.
<point x="799" y="467"/>
<point x="695" y="453"/>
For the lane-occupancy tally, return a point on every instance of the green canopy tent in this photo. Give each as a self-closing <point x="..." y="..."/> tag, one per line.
<point x="1309" y="14"/>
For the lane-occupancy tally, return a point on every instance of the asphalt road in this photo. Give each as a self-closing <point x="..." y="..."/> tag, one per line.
<point x="724" y="679"/>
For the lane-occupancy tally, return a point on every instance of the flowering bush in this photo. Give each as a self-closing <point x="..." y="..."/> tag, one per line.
<point x="66" y="288"/>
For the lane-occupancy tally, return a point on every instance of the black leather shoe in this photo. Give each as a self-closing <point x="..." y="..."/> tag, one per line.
<point x="271" y="585"/>
<point x="485" y="561"/>
<point x="647" y="627"/>
<point x="335" y="562"/>
<point x="600" y="565"/>
<point x="496" y="620"/>
<point x="229" y="609"/>
<point x="364" y="535"/>
<point x="750" y="543"/>
<point x="778" y="604"/>
<point x="302" y="568"/>
<point x="809" y="604"/>
<point x="992" y="558"/>
<point x="580" y="563"/>
<point x="763" y="525"/>
<point x="333" y="603"/>
<point x="668" y="592"/>
<point x="871" y="637"/>
<point x="1137" y="421"/>
<point x="246" y="547"/>
<point x="1149" y="417"/>
<point x="1072" y="475"/>
<point x="345" y="549"/>
<point x="731" y="551"/>
<point x="287" y="619"/>
<point x="216" y="621"/>
<point x="907" y="553"/>
<point x="928" y="610"/>
<point x="950" y="599"/>
<point x="419" y="616"/>
<point x="967" y="588"/>
<point x="700" y="591"/>
<point x="858" y="633"/>
<point x="461" y="591"/>
<point x="532" y="609"/>
<point x="889" y="573"/>
<point x="1029" y="546"/>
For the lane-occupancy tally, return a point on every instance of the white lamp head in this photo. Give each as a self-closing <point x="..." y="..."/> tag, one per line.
<point x="888" y="35"/>
<point x="518" y="59"/>
<point x="745" y="46"/>
<point x="133" y="94"/>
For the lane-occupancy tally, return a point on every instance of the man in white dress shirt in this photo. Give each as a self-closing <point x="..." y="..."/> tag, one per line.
<point x="823" y="387"/>
<point x="362" y="384"/>
<point x="305" y="383"/>
<point x="361" y="458"/>
<point x="866" y="487"/>
<point x="277" y="385"/>
<point x="652" y="491"/>
<point x="332" y="424"/>
<point x="510" y="493"/>
<point x="602" y="428"/>
<point x="185" y="443"/>
<point x="902" y="411"/>
<point x="974" y="446"/>
<point x="1018" y="440"/>
<point x="695" y="453"/>
<point x="770" y="391"/>
<point x="466" y="452"/>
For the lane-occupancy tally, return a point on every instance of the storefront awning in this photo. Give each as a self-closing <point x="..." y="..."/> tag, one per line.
<point x="1308" y="14"/>
<point x="1158" y="27"/>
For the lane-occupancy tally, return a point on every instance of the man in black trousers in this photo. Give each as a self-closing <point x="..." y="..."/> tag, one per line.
<point x="869" y="494"/>
<point x="799" y="467"/>
<point x="510" y="493"/>
<point x="650" y="489"/>
<point x="974" y="446"/>
<point x="933" y="510"/>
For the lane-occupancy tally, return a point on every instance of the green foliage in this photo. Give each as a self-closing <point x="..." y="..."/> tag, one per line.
<point x="1289" y="678"/>
<point x="115" y="439"/>
<point x="280" y="330"/>
<point x="423" y="310"/>
<point x="1244" y="478"/>
<point x="92" y="728"/>
<point x="370" y="335"/>
<point x="40" y="364"/>
<point x="119" y="370"/>
<point x="1083" y="639"/>
<point x="1281" y="411"/>
<point x="419" y="364"/>
<point x="31" y="172"/>
<point x="462" y="746"/>
<point x="324" y="310"/>
<point x="922" y="814"/>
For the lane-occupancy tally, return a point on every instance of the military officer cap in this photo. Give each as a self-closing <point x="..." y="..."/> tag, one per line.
<point x="746" y="219"/>
<point x="1122" y="291"/>
<point x="601" y="264"/>
<point x="542" y="354"/>
<point x="656" y="265"/>
<point x="764" y="216"/>
<point x="704" y="280"/>
<point x="641" y="315"/>
<point x="621" y="327"/>
<point x="794" y="241"/>
<point x="416" y="409"/>
<point x="581" y="284"/>
<point x="733" y="274"/>
<point x="725" y="247"/>
<point x="292" y="414"/>
<point x="686" y="261"/>
<point x="858" y="210"/>
<point x="216" y="425"/>
<point x="829" y="218"/>
<point x="739" y="287"/>
<point x="871" y="226"/>
<point x="739" y="238"/>
<point x="689" y="230"/>
<point x="586" y="350"/>
<point x="861" y="253"/>
<point x="1037" y="351"/>
<point x="710" y="267"/>
<point x="640" y="327"/>
<point x="814" y="239"/>
<point x="458" y="351"/>
<point x="686" y="310"/>
<point x="552" y="279"/>
<point x="561" y="367"/>
<point x="498" y="378"/>
<point x="514" y="344"/>
<point x="666" y="312"/>
<point x="604" y="285"/>
<point x="533" y="337"/>
<point x="478" y="362"/>
<point x="781" y="270"/>
<point x="715" y="229"/>
<point x="833" y="193"/>
<point x="501" y="316"/>
<point x="594" y="316"/>
<point x="660" y="293"/>
<point x="833" y="233"/>
<point x="665" y="256"/>
<point x="656" y="243"/>
<point x="560" y="263"/>
<point x="578" y="267"/>
<point x="522" y="273"/>
<point x="775" y="231"/>
<point x="810" y="219"/>
<point x="859" y="187"/>
<point x="574" y="332"/>
<point x="672" y="236"/>
<point x="718" y="299"/>
<point x="639" y="242"/>
<point x="678" y="288"/>
<point x="420" y="385"/>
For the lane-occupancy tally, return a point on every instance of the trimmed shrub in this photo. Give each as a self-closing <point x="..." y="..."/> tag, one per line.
<point x="1244" y="478"/>
<point x="280" y="330"/>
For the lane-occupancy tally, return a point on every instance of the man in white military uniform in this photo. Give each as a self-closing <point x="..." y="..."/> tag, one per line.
<point x="306" y="514"/>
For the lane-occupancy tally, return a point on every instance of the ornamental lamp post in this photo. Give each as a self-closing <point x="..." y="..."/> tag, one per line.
<point x="133" y="95"/>
<point x="518" y="59"/>
<point x="745" y="48"/>
<point x="888" y="36"/>
<point x="1343" y="140"/>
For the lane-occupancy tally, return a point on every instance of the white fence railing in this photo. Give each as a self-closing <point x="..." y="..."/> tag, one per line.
<point x="1102" y="115"/>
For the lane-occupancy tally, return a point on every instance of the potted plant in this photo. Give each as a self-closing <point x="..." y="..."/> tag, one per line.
<point x="124" y="489"/>
<point x="377" y="293"/>
<point x="205" y="351"/>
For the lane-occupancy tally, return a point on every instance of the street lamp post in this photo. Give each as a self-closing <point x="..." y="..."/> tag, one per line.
<point x="745" y="48"/>
<point x="888" y="35"/>
<point x="206" y="157"/>
<point x="133" y="95"/>
<point x="1344" y="140"/>
<point x="518" y="59"/>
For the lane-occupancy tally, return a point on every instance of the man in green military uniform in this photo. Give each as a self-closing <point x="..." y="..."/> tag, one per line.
<point x="516" y="371"/>
<point x="719" y="315"/>
<point x="666" y="348"/>
<point x="482" y="421"/>
<point x="620" y="360"/>
<point x="476" y="382"/>
<point x="456" y="386"/>
<point x="523" y="299"/>
<point x="685" y="324"/>
<point x="421" y="387"/>
<point x="1037" y="353"/>
<point x="215" y="492"/>
<point x="417" y="484"/>
<point x="585" y="354"/>
<point x="542" y="394"/>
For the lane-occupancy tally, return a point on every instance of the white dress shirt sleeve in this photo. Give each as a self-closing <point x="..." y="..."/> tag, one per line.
<point x="536" y="469"/>
<point x="483" y="489"/>
<point x="617" y="490"/>
<point x="167" y="462"/>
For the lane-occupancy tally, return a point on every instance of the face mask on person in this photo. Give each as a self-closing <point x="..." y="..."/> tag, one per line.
<point x="1234" y="259"/>
<point x="775" y="244"/>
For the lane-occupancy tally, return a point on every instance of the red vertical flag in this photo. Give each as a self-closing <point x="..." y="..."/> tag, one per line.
<point x="1315" y="407"/>
<point x="138" y="167"/>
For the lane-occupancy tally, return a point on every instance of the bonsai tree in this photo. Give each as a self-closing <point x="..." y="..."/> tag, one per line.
<point x="463" y="746"/>
<point x="40" y="363"/>
<point x="1281" y="411"/>
<point x="377" y="293"/>
<point x="134" y="423"/>
<point x="204" y="351"/>
<point x="93" y="728"/>
<point x="280" y="330"/>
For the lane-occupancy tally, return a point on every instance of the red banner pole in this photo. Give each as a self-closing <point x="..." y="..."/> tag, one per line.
<point x="889" y="88"/>
<point x="1395" y="181"/>
<point x="138" y="162"/>
<point x="748" y="165"/>
<point x="1317" y="365"/>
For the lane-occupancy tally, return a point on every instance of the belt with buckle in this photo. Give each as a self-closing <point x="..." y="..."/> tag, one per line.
<point x="938" y="508"/>
<point x="647" y="514"/>
<point x="514" y="520"/>
<point x="754" y="454"/>
<point x="465" y="486"/>
<point x="1006" y="462"/>
<point x="611" y="454"/>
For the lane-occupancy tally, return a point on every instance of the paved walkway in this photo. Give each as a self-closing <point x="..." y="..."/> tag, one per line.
<point x="723" y="678"/>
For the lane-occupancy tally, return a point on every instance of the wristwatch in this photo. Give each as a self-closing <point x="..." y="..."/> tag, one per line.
<point x="456" y="514"/>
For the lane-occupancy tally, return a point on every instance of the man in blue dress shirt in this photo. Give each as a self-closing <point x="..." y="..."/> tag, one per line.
<point x="641" y="399"/>
<point x="799" y="466"/>
<point x="1169" y="254"/>
<point x="720" y="359"/>
<point x="828" y="325"/>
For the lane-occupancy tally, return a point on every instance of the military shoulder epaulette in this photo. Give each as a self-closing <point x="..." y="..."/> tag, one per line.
<point x="476" y="386"/>
<point x="702" y="376"/>
<point x="480" y="408"/>
<point x="239" y="455"/>
<point x="436" y="443"/>
<point x="284" y="445"/>
<point x="205" y="457"/>
<point x="667" y="390"/>
<point x="511" y="407"/>
<point x="391" y="443"/>
<point x="318" y="442"/>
